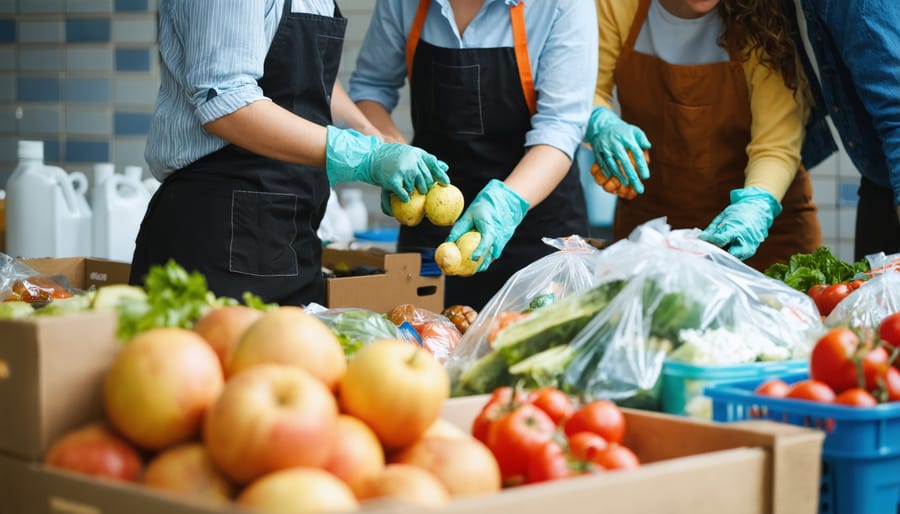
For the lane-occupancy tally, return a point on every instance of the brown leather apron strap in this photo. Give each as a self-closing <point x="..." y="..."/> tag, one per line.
<point x="415" y="33"/>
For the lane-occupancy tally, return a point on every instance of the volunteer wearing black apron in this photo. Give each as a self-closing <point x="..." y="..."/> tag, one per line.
<point x="245" y="179"/>
<point x="497" y="91"/>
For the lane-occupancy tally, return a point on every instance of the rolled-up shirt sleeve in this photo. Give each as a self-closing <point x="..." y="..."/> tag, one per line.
<point x="224" y="59"/>
<point x="565" y="78"/>
<point x="381" y="65"/>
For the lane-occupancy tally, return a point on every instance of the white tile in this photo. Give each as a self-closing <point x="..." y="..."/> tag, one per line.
<point x="49" y="59"/>
<point x="40" y="31"/>
<point x="8" y="120"/>
<point x="128" y="151"/>
<point x="847" y="222"/>
<point x="129" y="30"/>
<point x="844" y="250"/>
<point x="89" y="6"/>
<point x="824" y="191"/>
<point x="135" y="90"/>
<point x="7" y="6"/>
<point x="88" y="122"/>
<point x="357" y="25"/>
<point x="828" y="218"/>
<point x="828" y="167"/>
<point x="847" y="169"/>
<point x="41" y="6"/>
<point x="8" y="59"/>
<point x="7" y="88"/>
<point x="89" y="59"/>
<point x="40" y="120"/>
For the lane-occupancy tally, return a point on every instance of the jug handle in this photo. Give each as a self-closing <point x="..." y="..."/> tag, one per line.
<point x="79" y="182"/>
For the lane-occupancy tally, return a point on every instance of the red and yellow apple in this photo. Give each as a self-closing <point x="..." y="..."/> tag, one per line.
<point x="223" y="326"/>
<point x="270" y="417"/>
<point x="463" y="465"/>
<point x="187" y="469"/>
<point x="407" y="483"/>
<point x="290" y="335"/>
<point x="95" y="450"/>
<point x="160" y="385"/>
<point x="298" y="490"/>
<point x="357" y="452"/>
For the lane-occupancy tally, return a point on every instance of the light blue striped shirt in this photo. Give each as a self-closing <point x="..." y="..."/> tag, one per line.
<point x="562" y="48"/>
<point x="213" y="52"/>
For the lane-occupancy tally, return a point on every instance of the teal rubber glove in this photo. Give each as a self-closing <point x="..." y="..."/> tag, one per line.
<point x="744" y="224"/>
<point x="495" y="212"/>
<point x="612" y="139"/>
<point x="395" y="167"/>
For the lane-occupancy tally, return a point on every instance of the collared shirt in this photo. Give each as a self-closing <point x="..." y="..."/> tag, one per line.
<point x="856" y="44"/>
<point x="562" y="48"/>
<point x="213" y="53"/>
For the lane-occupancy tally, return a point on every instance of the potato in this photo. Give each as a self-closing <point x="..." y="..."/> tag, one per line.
<point x="444" y="204"/>
<point x="456" y="258"/>
<point x="409" y="213"/>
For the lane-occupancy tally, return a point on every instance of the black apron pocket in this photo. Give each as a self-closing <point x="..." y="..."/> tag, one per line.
<point x="263" y="230"/>
<point x="456" y="101"/>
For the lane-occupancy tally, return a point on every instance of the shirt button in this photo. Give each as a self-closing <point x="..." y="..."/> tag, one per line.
<point x="851" y="144"/>
<point x="836" y="109"/>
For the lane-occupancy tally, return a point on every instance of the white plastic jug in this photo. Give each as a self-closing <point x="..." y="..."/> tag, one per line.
<point x="47" y="211"/>
<point x="352" y="199"/>
<point x="120" y="202"/>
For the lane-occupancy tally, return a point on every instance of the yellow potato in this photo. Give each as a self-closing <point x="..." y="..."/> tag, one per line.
<point x="456" y="258"/>
<point x="444" y="204"/>
<point x="409" y="213"/>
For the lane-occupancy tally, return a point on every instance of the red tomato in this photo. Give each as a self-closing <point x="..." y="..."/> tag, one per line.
<point x="831" y="296"/>
<point x="616" y="456"/>
<point x="812" y="390"/>
<point x="554" y="402"/>
<point x="831" y="359"/>
<point x="856" y="397"/>
<point x="774" y="387"/>
<point x="548" y="462"/>
<point x="889" y="330"/>
<point x="601" y="417"/>
<point x="816" y="291"/>
<point x="892" y="385"/>
<point x="584" y="445"/>
<point x="875" y="364"/>
<point x="515" y="436"/>
<point x="500" y="403"/>
<point x="855" y="284"/>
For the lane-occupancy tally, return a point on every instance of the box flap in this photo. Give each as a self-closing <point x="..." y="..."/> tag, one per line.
<point x="71" y="267"/>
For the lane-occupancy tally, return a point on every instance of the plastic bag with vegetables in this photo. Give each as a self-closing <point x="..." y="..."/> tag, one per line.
<point x="685" y="300"/>
<point x="430" y="330"/>
<point x="872" y="301"/>
<point x="355" y="328"/>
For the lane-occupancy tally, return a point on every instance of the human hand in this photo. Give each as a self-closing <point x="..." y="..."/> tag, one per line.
<point x="495" y="212"/>
<point x="618" y="147"/>
<point x="744" y="224"/>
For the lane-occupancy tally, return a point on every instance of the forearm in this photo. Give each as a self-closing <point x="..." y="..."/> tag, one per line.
<point x="345" y="113"/>
<point x="266" y="129"/>
<point x="381" y="119"/>
<point x="538" y="173"/>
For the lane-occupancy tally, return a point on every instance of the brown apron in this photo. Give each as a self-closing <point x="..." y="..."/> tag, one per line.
<point x="698" y="118"/>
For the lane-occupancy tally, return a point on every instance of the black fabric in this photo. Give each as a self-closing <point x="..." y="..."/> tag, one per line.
<point x="877" y="227"/>
<point x="469" y="110"/>
<point x="248" y="222"/>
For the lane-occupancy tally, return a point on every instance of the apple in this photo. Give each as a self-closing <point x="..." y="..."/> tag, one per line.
<point x="357" y="452"/>
<point x="160" y="385"/>
<point x="443" y="428"/>
<point x="407" y="483"/>
<point x="290" y="335"/>
<point x="188" y="470"/>
<point x="395" y="387"/>
<point x="223" y="326"/>
<point x="95" y="450"/>
<point x="298" y="490"/>
<point x="464" y="465"/>
<point x="270" y="417"/>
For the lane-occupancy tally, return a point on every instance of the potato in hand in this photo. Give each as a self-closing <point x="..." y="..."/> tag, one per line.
<point x="456" y="258"/>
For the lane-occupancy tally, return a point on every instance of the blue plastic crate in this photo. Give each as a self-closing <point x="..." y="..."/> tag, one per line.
<point x="861" y="453"/>
<point x="683" y="384"/>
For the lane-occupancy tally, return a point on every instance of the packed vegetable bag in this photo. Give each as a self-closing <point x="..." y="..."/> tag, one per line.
<point x="354" y="327"/>
<point x="875" y="299"/>
<point x="543" y="305"/>
<point x="689" y="301"/>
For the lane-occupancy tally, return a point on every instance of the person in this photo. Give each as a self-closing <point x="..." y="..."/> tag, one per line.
<point x="713" y="90"/>
<point x="852" y="58"/>
<point x="243" y="142"/>
<point x="501" y="91"/>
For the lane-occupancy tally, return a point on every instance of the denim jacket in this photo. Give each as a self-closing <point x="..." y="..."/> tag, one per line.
<point x="857" y="47"/>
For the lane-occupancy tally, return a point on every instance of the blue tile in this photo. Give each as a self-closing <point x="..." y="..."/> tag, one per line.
<point x="51" y="150"/>
<point x="132" y="59"/>
<point x="7" y="31"/>
<point x="87" y="151"/>
<point x="848" y="194"/>
<point x="131" y="123"/>
<point x="95" y="30"/>
<point x="132" y="6"/>
<point x="86" y="90"/>
<point x="38" y="89"/>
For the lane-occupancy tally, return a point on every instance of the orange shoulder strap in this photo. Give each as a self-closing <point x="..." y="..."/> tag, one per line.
<point x="520" y="44"/>
<point x="414" y="33"/>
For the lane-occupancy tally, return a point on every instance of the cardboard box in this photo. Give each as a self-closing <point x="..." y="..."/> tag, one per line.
<point x="400" y="283"/>
<point x="83" y="272"/>
<point x="690" y="467"/>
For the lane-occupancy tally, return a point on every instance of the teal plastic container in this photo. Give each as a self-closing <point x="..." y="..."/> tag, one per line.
<point x="683" y="384"/>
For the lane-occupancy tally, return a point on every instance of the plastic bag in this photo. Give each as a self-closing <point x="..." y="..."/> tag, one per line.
<point x="874" y="300"/>
<point x="19" y="282"/>
<point x="355" y="328"/>
<point x="433" y="331"/>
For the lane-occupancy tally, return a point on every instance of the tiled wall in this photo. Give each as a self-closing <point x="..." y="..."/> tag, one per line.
<point x="835" y="185"/>
<point x="80" y="75"/>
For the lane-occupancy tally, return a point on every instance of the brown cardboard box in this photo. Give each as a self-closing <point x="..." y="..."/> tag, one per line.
<point x="400" y="283"/>
<point x="83" y="272"/>
<point x="691" y="467"/>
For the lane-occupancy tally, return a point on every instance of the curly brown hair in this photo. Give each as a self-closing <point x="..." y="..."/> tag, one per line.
<point x="766" y="26"/>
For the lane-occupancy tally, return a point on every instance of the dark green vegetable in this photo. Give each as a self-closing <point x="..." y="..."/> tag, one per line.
<point x="805" y="270"/>
<point x="357" y="327"/>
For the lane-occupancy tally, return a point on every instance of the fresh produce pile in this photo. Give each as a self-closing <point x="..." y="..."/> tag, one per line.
<point x="826" y="279"/>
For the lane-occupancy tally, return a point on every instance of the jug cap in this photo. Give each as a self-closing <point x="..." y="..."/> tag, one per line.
<point x="31" y="150"/>
<point x="133" y="172"/>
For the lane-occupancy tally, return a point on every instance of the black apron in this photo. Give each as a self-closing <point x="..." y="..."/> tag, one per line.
<point x="469" y="109"/>
<point x="248" y="222"/>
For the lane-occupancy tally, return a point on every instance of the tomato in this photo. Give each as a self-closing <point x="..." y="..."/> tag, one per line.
<point x="831" y="296"/>
<point x="889" y="330"/>
<point x="554" y="402"/>
<point x="831" y="359"/>
<point x="616" y="456"/>
<point x="875" y="364"/>
<point x="855" y="284"/>
<point x="500" y="403"/>
<point x="812" y="390"/>
<point x="891" y="385"/>
<point x="601" y="417"/>
<point x="856" y="397"/>
<point x="816" y="291"/>
<point x="548" y="462"/>
<point x="775" y="388"/>
<point x="584" y="445"/>
<point x="515" y="436"/>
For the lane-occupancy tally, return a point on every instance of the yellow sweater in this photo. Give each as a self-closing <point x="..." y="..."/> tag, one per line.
<point x="778" y="116"/>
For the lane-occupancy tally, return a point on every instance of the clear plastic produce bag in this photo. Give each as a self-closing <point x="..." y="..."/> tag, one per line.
<point x="353" y="327"/>
<point x="874" y="299"/>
